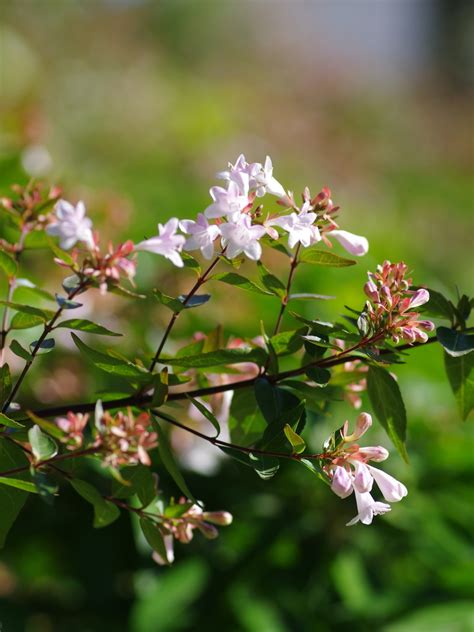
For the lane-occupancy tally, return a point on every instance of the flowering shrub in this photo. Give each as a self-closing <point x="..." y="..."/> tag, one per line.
<point x="218" y="381"/>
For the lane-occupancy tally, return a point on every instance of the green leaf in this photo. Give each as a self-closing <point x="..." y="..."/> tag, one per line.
<point x="232" y="278"/>
<point x="288" y="342"/>
<point x="218" y="358"/>
<point x="160" y="391"/>
<point x="5" y="382"/>
<point x="105" y="512"/>
<point x="61" y="254"/>
<point x="20" y="351"/>
<point x="314" y="469"/>
<point x="8" y="264"/>
<point x="305" y="296"/>
<point x="48" y="426"/>
<point x="318" y="375"/>
<point x="324" y="258"/>
<point x="246" y="422"/>
<point x="297" y="443"/>
<point x="109" y="363"/>
<point x="26" y="486"/>
<point x="454" y="342"/>
<point x="168" y="460"/>
<point x="25" y="321"/>
<point x="206" y="413"/>
<point x="6" y="421"/>
<point x="46" y="345"/>
<point x="174" y="304"/>
<point x="66" y="303"/>
<point x="141" y="482"/>
<point x="81" y="324"/>
<point x="11" y="499"/>
<point x="269" y="399"/>
<point x="460" y="372"/>
<point x="44" y="314"/>
<point x="438" y="305"/>
<point x="42" y="445"/>
<point x="265" y="466"/>
<point x="387" y="402"/>
<point x="154" y="537"/>
<point x="191" y="263"/>
<point x="270" y="281"/>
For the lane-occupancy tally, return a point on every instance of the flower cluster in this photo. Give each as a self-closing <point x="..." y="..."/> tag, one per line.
<point x="390" y="309"/>
<point x="73" y="426"/>
<point x="182" y="525"/>
<point x="238" y="221"/>
<point x="124" y="439"/>
<point x="349" y="471"/>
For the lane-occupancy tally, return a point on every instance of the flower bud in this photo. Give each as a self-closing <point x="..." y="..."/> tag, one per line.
<point x="363" y="423"/>
<point x="221" y="518"/>
<point x="371" y="290"/>
<point x="420" y="297"/>
<point x="208" y="530"/>
<point x="341" y="482"/>
<point x="374" y="453"/>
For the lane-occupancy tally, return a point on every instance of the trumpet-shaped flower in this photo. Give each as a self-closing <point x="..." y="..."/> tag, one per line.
<point x="202" y="234"/>
<point x="367" y="508"/>
<point x="393" y="491"/>
<point x="240" y="236"/>
<point x="71" y="225"/>
<point x="229" y="202"/>
<point x="356" y="245"/>
<point x="167" y="243"/>
<point x="300" y="228"/>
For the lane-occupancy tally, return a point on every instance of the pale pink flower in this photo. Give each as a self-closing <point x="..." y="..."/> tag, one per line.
<point x="354" y="244"/>
<point x="240" y="236"/>
<point x="229" y="202"/>
<point x="71" y="224"/>
<point x="363" y="423"/>
<point x="367" y="508"/>
<point x="267" y="183"/>
<point x="393" y="491"/>
<point x="167" y="243"/>
<point x="362" y="478"/>
<point x="202" y="234"/>
<point x="300" y="228"/>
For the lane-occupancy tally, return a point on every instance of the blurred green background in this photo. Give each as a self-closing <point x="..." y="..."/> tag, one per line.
<point x="133" y="106"/>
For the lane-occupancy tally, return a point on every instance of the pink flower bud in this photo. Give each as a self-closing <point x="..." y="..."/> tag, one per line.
<point x="427" y="325"/>
<point x="420" y="297"/>
<point x="371" y="290"/>
<point x="341" y="482"/>
<point x="363" y="423"/>
<point x="208" y="530"/>
<point x="374" y="453"/>
<point x="221" y="518"/>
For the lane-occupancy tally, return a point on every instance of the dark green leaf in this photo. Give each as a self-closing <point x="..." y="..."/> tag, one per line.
<point x="105" y="512"/>
<point x="232" y="278"/>
<point x="438" y="305"/>
<point x="168" y="460"/>
<point x="318" y="374"/>
<point x="388" y="406"/>
<point x="288" y="341"/>
<point x="11" y="499"/>
<point x="20" y="351"/>
<point x="6" y="421"/>
<point x="45" y="345"/>
<point x="309" y="465"/>
<point x="81" y="324"/>
<point x="454" y="342"/>
<point x="154" y="537"/>
<point x="270" y="281"/>
<point x="5" y="382"/>
<point x="141" y="482"/>
<point x="460" y="371"/>
<point x="310" y="297"/>
<point x="218" y="358"/>
<point x="48" y="426"/>
<point x="269" y="399"/>
<point x="265" y="466"/>
<point x="206" y="413"/>
<point x="174" y="304"/>
<point x="160" y="391"/>
<point x="324" y="258"/>
<point x="110" y="363"/>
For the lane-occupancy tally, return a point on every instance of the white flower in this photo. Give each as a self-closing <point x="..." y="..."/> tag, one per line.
<point x="354" y="244"/>
<point x="367" y="508"/>
<point x="71" y="225"/>
<point x="241" y="166"/>
<point x="202" y="234"/>
<point x="240" y="236"/>
<point x="299" y="227"/>
<point x="393" y="491"/>
<point x="266" y="183"/>
<point x="230" y="201"/>
<point x="167" y="243"/>
<point x="363" y="479"/>
<point x="341" y="483"/>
